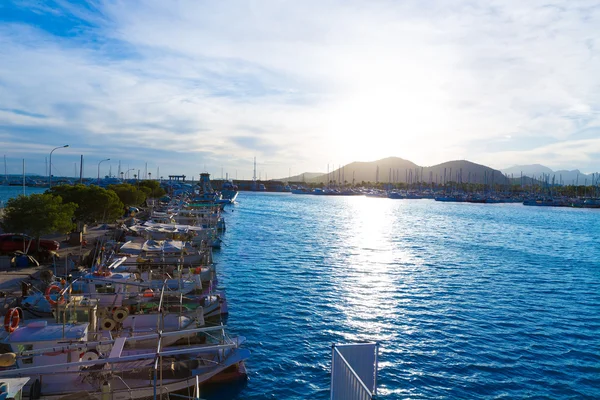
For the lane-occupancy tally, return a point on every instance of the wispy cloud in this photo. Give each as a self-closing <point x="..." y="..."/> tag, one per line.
<point x="302" y="84"/>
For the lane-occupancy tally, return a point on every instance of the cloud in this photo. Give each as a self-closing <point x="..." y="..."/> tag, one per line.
<point x="302" y="84"/>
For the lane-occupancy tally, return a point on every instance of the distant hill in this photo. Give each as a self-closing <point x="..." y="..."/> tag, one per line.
<point x="360" y="171"/>
<point x="396" y="169"/>
<point x="527" y="170"/>
<point x="463" y="171"/>
<point x="538" y="171"/>
<point x="305" y="177"/>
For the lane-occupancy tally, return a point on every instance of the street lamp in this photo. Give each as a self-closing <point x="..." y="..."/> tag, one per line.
<point x="50" y="166"/>
<point x="127" y="173"/>
<point x="108" y="159"/>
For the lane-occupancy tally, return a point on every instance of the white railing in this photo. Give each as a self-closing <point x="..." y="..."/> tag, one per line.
<point x="354" y="371"/>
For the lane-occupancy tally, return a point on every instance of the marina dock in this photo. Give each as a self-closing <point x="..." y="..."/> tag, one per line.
<point x="139" y="294"/>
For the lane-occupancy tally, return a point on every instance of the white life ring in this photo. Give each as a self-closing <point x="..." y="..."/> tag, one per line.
<point x="120" y="314"/>
<point x="91" y="355"/>
<point x="104" y="348"/>
<point x="108" y="324"/>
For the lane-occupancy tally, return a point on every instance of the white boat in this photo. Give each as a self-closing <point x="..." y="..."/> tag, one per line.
<point x="60" y="360"/>
<point x="127" y="294"/>
<point x="229" y="192"/>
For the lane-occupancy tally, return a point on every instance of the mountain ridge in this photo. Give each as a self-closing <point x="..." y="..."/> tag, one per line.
<point x="567" y="177"/>
<point x="396" y="169"/>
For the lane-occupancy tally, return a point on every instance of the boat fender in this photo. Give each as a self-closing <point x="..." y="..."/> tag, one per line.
<point x="104" y="348"/>
<point x="50" y="290"/>
<point x="90" y="355"/>
<point x="8" y="359"/>
<point x="35" y="390"/>
<point x="120" y="314"/>
<point x="12" y="319"/>
<point x="108" y="324"/>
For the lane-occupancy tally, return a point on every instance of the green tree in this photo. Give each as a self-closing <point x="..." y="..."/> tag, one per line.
<point x="128" y="194"/>
<point x="93" y="202"/>
<point x="155" y="191"/>
<point x="38" y="214"/>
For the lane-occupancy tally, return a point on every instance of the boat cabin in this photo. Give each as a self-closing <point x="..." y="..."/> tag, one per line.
<point x="38" y="335"/>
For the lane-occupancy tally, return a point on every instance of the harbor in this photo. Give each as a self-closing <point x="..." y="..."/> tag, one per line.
<point x="129" y="309"/>
<point x="362" y="265"/>
<point x="258" y="200"/>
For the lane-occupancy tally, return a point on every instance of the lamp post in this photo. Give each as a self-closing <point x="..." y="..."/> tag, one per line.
<point x="50" y="166"/>
<point x="108" y="159"/>
<point x="127" y="173"/>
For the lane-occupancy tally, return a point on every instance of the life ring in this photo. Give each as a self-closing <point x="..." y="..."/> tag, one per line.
<point x="148" y="293"/>
<point x="61" y="296"/>
<point x="90" y="355"/>
<point x="104" y="348"/>
<point x="108" y="324"/>
<point x="12" y="319"/>
<point x="120" y="314"/>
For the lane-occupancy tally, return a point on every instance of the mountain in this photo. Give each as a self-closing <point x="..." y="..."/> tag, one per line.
<point x="562" y="176"/>
<point x="463" y="171"/>
<point x="527" y="170"/>
<point x="573" y="177"/>
<point x="360" y="171"/>
<point x="305" y="177"/>
<point x="396" y="169"/>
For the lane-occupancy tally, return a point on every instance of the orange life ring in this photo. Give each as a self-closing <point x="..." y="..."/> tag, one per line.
<point x="11" y="320"/>
<point x="61" y="296"/>
<point x="148" y="293"/>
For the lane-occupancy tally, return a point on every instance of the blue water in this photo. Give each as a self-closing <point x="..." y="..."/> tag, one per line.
<point x="8" y="192"/>
<point x="467" y="300"/>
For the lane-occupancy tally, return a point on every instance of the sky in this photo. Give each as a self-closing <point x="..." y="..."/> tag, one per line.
<point x="182" y="87"/>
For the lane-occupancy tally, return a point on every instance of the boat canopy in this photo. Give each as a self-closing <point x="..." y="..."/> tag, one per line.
<point x="154" y="246"/>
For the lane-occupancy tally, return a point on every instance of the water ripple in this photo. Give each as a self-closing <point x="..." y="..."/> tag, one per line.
<point x="467" y="301"/>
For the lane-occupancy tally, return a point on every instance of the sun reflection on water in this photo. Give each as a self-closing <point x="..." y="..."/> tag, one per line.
<point x="370" y="258"/>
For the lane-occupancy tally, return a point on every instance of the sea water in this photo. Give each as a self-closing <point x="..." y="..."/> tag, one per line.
<point x="466" y="300"/>
<point x="8" y="192"/>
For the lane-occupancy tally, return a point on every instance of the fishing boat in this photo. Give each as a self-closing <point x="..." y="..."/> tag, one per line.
<point x="60" y="360"/>
<point x="229" y="192"/>
<point x="125" y="299"/>
<point x="301" y="190"/>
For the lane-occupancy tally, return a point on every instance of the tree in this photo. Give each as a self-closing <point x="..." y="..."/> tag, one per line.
<point x="128" y="194"/>
<point x="93" y="202"/>
<point x="155" y="191"/>
<point x="37" y="215"/>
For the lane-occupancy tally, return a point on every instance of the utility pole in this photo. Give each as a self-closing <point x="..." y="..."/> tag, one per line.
<point x="81" y="170"/>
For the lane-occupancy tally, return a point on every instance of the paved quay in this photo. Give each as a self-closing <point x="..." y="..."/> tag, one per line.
<point x="11" y="278"/>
